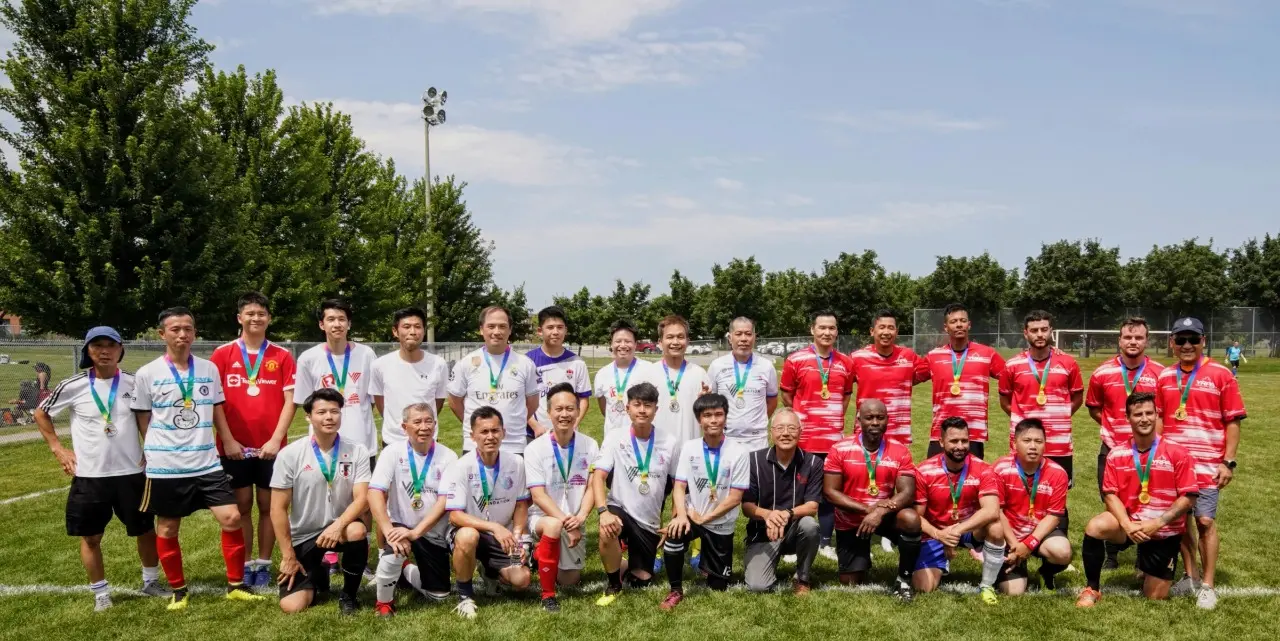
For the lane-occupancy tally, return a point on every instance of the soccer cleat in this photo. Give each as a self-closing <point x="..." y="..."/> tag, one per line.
<point x="1207" y="598"/>
<point x="988" y="595"/>
<point x="101" y="602"/>
<point x="347" y="605"/>
<point x="1111" y="563"/>
<point x="155" y="588"/>
<point x="262" y="577"/>
<point x="250" y="579"/>
<point x="657" y="564"/>
<point x="886" y="545"/>
<point x="384" y="610"/>
<point x="238" y="592"/>
<point x="466" y="608"/>
<point x="1185" y="586"/>
<point x="904" y="592"/>
<point x="673" y="599"/>
<point x="828" y="552"/>
<point x="551" y="605"/>
<point x="789" y="558"/>
<point x="331" y="559"/>
<point x="800" y="588"/>
<point x="178" y="600"/>
<point x="610" y="595"/>
<point x="488" y="587"/>
<point x="695" y="561"/>
<point x="1046" y="582"/>
<point x="1088" y="598"/>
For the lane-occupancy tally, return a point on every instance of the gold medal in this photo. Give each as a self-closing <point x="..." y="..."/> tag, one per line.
<point x="1180" y="413"/>
<point x="955" y="388"/>
<point x="1041" y="398"/>
<point x="188" y="403"/>
<point x="1143" y="497"/>
<point x="712" y="495"/>
<point x="873" y="489"/>
<point x="417" y="502"/>
<point x="826" y="393"/>
<point x="955" y="514"/>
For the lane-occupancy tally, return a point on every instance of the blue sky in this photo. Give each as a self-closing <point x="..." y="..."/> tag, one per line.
<point x="609" y="139"/>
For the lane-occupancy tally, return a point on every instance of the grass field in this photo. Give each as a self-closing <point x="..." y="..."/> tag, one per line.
<point x="43" y="594"/>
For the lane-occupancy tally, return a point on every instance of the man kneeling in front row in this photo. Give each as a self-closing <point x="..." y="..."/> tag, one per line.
<point x="318" y="491"/>
<point x="1148" y="485"/>
<point x="781" y="502"/>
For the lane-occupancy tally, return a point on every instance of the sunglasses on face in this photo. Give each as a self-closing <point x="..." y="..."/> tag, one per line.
<point x="1183" y="340"/>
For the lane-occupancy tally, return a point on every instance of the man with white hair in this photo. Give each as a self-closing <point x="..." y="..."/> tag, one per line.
<point x="750" y="384"/>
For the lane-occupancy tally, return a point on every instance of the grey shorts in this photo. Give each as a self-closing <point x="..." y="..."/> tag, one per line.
<point x="1207" y="504"/>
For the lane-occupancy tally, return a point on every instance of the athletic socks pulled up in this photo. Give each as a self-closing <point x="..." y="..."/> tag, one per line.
<point x="150" y="574"/>
<point x="547" y="555"/>
<point x="673" y="560"/>
<point x="615" y="580"/>
<point x="992" y="563"/>
<point x="908" y="553"/>
<point x="233" y="555"/>
<point x="171" y="560"/>
<point x="1093" y="552"/>
<point x="466" y="590"/>
<point x="387" y="575"/>
<point x="355" y="556"/>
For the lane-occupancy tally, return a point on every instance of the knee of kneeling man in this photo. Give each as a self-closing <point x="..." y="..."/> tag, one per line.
<point x="466" y="537"/>
<point x="760" y="588"/>
<point x="356" y="530"/>
<point x="809" y="525"/>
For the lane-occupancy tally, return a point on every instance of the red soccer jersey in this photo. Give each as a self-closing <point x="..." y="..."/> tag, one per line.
<point x="1107" y="391"/>
<point x="1214" y="401"/>
<point x="253" y="419"/>
<point x="1021" y="384"/>
<point x="889" y="379"/>
<point x="822" y="420"/>
<point x="1015" y="501"/>
<point x="981" y="364"/>
<point x="1173" y="475"/>
<point x="933" y="489"/>
<point x="848" y="459"/>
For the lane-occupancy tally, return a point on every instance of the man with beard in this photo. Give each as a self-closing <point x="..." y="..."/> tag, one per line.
<point x="751" y="386"/>
<point x="961" y="372"/>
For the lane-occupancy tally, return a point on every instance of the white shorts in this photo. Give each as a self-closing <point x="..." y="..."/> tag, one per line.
<point x="750" y="444"/>
<point x="571" y="558"/>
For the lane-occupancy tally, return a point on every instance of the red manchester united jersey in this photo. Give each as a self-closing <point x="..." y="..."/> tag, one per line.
<point x="253" y="419"/>
<point x="822" y="420"/>
<point x="889" y="378"/>
<point x="848" y="459"/>
<point x="1172" y="475"/>
<point x="1015" y="500"/>
<point x="1108" y="391"/>
<point x="978" y="365"/>
<point x="1019" y="382"/>
<point x="934" y="483"/>
<point x="1212" y="402"/>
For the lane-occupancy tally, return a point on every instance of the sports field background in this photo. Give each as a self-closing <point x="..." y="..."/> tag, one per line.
<point x="43" y="593"/>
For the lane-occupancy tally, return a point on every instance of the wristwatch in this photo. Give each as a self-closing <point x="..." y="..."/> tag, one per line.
<point x="1231" y="464"/>
<point x="601" y="510"/>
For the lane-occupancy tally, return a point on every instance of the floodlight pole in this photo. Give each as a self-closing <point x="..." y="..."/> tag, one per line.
<point x="431" y="115"/>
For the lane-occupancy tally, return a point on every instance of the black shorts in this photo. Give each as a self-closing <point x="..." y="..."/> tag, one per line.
<point x="490" y="555"/>
<point x="717" y="550"/>
<point x="315" y="573"/>
<point x="1069" y="466"/>
<point x="433" y="562"/>
<point x="1103" y="451"/>
<point x="976" y="448"/>
<point x="1020" y="571"/>
<point x="176" y="498"/>
<point x="642" y="545"/>
<point x="854" y="552"/>
<point x="247" y="472"/>
<point x="1159" y="557"/>
<point x="91" y="502"/>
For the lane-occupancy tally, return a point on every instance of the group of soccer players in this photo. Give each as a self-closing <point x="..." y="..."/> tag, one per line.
<point x="185" y="434"/>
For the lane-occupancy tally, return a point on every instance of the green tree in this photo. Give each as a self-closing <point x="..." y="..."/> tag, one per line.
<point x="517" y="303"/>
<point x="579" y="316"/>
<point x="737" y="289"/>
<point x="786" y="299"/>
<point x="851" y="287"/>
<point x="981" y="283"/>
<point x="630" y="304"/>
<point x="1082" y="282"/>
<point x="1187" y="278"/>
<point x="901" y="293"/>
<point x="463" y="264"/>
<point x="1254" y="272"/>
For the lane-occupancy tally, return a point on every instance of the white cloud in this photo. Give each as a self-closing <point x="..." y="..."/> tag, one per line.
<point x="886" y="120"/>
<point x="728" y="184"/>
<point x="796" y="200"/>
<point x="709" y="162"/>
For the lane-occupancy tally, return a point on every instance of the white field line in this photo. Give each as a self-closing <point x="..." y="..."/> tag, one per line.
<point x="32" y="495"/>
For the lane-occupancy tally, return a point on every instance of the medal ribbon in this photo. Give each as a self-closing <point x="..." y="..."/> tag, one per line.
<point x="105" y="410"/>
<point x="419" y="479"/>
<point x="713" y="471"/>
<point x="1144" y="475"/>
<point x="486" y="491"/>
<point x="824" y="373"/>
<point x="873" y="465"/>
<point x="1042" y="378"/>
<point x="958" y="488"/>
<point x="252" y="371"/>
<point x="666" y="373"/>
<point x="1130" y="386"/>
<point x="740" y="380"/>
<point x="330" y="470"/>
<point x="1032" y="488"/>
<point x="566" y="465"/>
<point x="339" y="382"/>
<point x="1186" y="389"/>
<point x="189" y="388"/>
<point x="957" y="365"/>
<point x="495" y="379"/>
<point x="642" y="466"/>
<point x="621" y="387"/>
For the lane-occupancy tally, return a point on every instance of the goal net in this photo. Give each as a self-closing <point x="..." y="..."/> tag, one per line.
<point x="1103" y="342"/>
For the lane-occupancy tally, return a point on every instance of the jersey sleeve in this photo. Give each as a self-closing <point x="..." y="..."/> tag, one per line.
<point x="283" y="472"/>
<point x="375" y="378"/>
<point x="835" y="461"/>
<point x="582" y="381"/>
<point x="63" y="396"/>
<point x="1093" y="397"/>
<point x="459" y="491"/>
<point x="604" y="457"/>
<point x="713" y="378"/>
<point x="770" y="382"/>
<point x="363" y="473"/>
<point x="219" y="397"/>
<point x="530" y="378"/>
<point x="1232" y="403"/>
<point x="1111" y="477"/>
<point x="522" y="481"/>
<point x="922" y="493"/>
<point x="998" y="365"/>
<point x="1184" y="469"/>
<point x="1058" y="504"/>
<point x="141" y="391"/>
<point x="789" y="375"/>
<point x="740" y="478"/>
<point x="922" y="371"/>
<point x="989" y="483"/>
<point x="534" y="471"/>
<point x="219" y="360"/>
<point x="383" y="472"/>
<point x="1074" y="381"/>
<point x="683" y="468"/>
<point x="304" y="382"/>
<point x="458" y="379"/>
<point x="1005" y="386"/>
<point x="288" y="371"/>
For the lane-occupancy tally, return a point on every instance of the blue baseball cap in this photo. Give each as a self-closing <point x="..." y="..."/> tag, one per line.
<point x="102" y="331"/>
<point x="1187" y="324"/>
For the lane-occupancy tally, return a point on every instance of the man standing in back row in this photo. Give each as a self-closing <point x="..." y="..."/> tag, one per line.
<point x="750" y="385"/>
<point x="887" y="371"/>
<point x="407" y="376"/>
<point x="683" y="382"/>
<point x="555" y="365"/>
<point x="498" y="377"/>
<point x="342" y="365"/>
<point x="624" y="372"/>
<point x="961" y="371"/>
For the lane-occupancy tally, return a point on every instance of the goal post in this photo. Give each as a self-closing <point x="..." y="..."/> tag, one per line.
<point x="1102" y="342"/>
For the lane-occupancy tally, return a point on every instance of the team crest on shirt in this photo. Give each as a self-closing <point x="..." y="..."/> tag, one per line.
<point x="344" y="469"/>
<point x="475" y="361"/>
<point x="508" y="483"/>
<point x="272" y="366"/>
<point x="204" y="390"/>
<point x="568" y="372"/>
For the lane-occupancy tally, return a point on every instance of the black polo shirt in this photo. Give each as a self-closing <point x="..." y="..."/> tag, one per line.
<point x="774" y="487"/>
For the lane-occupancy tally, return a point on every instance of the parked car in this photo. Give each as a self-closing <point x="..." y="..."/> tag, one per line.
<point x="699" y="349"/>
<point x="647" y="347"/>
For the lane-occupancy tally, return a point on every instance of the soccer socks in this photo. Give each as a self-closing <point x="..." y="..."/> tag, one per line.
<point x="355" y="556"/>
<point x="171" y="560"/>
<point x="387" y="575"/>
<point x="466" y="590"/>
<point x="1048" y="571"/>
<point x="992" y="563"/>
<point x="615" y="580"/>
<point x="673" y="559"/>
<point x="908" y="554"/>
<point x="1093" y="552"/>
<point x="233" y="555"/>
<point x="100" y="588"/>
<point x="548" y="557"/>
<point x="150" y="574"/>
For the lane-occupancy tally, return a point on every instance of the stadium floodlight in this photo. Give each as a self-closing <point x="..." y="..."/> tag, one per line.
<point x="432" y="116"/>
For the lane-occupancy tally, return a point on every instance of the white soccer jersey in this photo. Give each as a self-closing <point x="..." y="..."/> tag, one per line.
<point x="565" y="485"/>
<point x="677" y="421"/>
<point x="565" y="368"/>
<point x="733" y="474"/>
<point x="401" y="384"/>
<point x="747" y="423"/>
<point x="615" y="400"/>
<point x="394" y="477"/>
<point x="99" y="452"/>
<point x="506" y="486"/>
<point x="180" y="442"/>
<point x="618" y="455"/>
<point x="314" y="373"/>
<point x="471" y="380"/>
